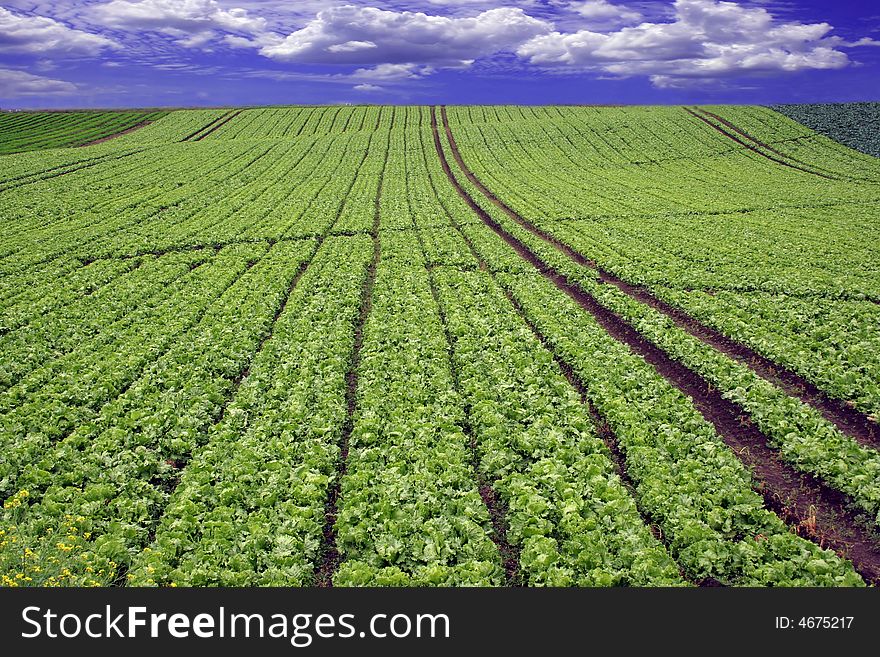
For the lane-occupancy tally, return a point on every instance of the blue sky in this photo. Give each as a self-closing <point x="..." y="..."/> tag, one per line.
<point x="139" y="53"/>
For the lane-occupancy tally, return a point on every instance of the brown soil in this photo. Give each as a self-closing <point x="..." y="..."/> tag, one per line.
<point x="246" y="372"/>
<point x="496" y="507"/>
<point x="811" y="508"/>
<point x="745" y="134"/>
<point x="849" y="420"/>
<point x="770" y="148"/>
<point x="603" y="429"/>
<point x="331" y="555"/>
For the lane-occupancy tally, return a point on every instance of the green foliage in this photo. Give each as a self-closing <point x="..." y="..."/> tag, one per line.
<point x="180" y="323"/>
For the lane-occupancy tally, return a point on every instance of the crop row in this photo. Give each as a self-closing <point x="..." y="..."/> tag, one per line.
<point x="145" y="205"/>
<point x="296" y="122"/>
<point x="805" y="439"/>
<point x="795" y="320"/>
<point x="423" y="439"/>
<point x="566" y="507"/>
<point x="258" y="203"/>
<point x="820" y="135"/>
<point x="36" y="301"/>
<point x="410" y="511"/>
<point x="547" y="165"/>
<point x="52" y="400"/>
<point x="174" y="127"/>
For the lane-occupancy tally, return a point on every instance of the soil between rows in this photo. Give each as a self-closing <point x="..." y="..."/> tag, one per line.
<point x="209" y="125"/>
<point x="331" y="557"/>
<point x="497" y="508"/>
<point x="808" y="506"/>
<point x="605" y="433"/>
<point x="603" y="429"/>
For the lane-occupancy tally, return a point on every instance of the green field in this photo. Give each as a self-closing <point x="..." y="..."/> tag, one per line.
<point x="31" y="131"/>
<point x="395" y="346"/>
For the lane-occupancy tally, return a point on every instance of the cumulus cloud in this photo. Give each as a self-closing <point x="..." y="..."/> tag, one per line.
<point x="365" y="35"/>
<point x="367" y="87"/>
<point x="14" y="84"/>
<point x="352" y="46"/>
<point x="44" y="36"/>
<point x="706" y="39"/>
<point x="864" y="41"/>
<point x="393" y="72"/>
<point x="602" y="11"/>
<point x="673" y="43"/>
<point x="195" y="23"/>
<point x="184" y="15"/>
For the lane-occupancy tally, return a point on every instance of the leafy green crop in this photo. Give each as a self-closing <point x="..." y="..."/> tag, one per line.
<point x="198" y="353"/>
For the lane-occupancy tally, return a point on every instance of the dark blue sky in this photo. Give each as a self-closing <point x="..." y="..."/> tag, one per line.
<point x="112" y="53"/>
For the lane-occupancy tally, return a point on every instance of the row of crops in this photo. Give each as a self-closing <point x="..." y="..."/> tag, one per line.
<point x="30" y="131"/>
<point x="386" y="346"/>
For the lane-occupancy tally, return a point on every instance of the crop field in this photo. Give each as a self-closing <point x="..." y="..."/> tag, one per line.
<point x="30" y="131"/>
<point x="438" y="346"/>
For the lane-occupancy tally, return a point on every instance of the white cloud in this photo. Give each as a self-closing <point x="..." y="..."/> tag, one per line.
<point x="706" y="39"/>
<point x="367" y="87"/>
<point x="197" y="40"/>
<point x="352" y="46"/>
<point x="673" y="43"/>
<point x="19" y="83"/>
<point x="400" y="37"/>
<point x="393" y="72"/>
<point x="255" y="41"/>
<point x="195" y="23"/>
<point x="37" y="35"/>
<point x="864" y="41"/>
<point x="602" y="11"/>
